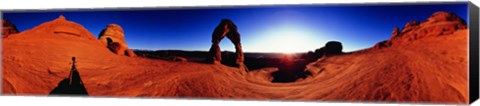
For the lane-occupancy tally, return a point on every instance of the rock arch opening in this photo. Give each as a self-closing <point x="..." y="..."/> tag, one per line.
<point x="228" y="29"/>
<point x="109" y="40"/>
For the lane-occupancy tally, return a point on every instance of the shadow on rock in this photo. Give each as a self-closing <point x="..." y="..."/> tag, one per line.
<point x="72" y="85"/>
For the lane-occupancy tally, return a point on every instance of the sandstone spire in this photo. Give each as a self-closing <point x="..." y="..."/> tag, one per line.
<point x="61" y="18"/>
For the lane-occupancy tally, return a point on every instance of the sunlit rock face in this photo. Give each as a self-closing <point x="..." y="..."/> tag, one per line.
<point x="438" y="24"/>
<point x="114" y="38"/>
<point x="62" y="26"/>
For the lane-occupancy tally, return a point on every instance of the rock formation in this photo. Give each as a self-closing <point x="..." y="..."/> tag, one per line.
<point x="179" y="59"/>
<point x="395" y="32"/>
<point x="61" y="26"/>
<point x="8" y="28"/>
<point x="440" y="23"/>
<point x="229" y="29"/>
<point x="114" y="38"/>
<point x="432" y="71"/>
<point x="114" y="47"/>
<point x="383" y="44"/>
<point x="331" y="48"/>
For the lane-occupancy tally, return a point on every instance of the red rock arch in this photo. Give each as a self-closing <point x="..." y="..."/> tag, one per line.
<point x="229" y="29"/>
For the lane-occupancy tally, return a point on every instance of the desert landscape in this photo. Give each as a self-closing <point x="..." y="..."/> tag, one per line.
<point x="423" y="62"/>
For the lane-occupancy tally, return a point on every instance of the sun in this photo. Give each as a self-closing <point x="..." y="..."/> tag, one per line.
<point x="289" y="40"/>
<point x="286" y="42"/>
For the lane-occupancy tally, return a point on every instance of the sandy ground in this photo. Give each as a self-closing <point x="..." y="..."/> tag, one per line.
<point x="427" y="70"/>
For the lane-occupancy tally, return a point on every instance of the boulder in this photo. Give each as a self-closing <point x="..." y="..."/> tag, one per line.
<point x="333" y="48"/>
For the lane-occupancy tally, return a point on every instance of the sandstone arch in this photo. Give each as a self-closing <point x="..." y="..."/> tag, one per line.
<point x="229" y="29"/>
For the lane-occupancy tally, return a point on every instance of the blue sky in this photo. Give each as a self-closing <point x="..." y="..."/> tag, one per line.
<point x="293" y="28"/>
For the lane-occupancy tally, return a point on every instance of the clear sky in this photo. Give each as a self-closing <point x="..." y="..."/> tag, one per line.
<point x="293" y="28"/>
